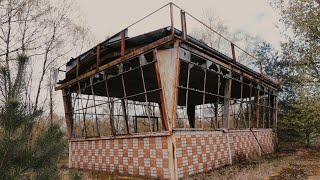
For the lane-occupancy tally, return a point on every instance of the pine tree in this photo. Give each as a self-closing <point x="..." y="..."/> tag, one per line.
<point x="23" y="156"/>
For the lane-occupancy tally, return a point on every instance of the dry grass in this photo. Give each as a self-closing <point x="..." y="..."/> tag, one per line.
<point x="250" y="170"/>
<point x="303" y="164"/>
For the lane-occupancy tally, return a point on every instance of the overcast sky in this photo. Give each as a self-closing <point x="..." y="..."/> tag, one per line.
<point x="254" y="16"/>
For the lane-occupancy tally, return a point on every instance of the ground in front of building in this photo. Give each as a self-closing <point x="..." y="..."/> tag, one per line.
<point x="302" y="164"/>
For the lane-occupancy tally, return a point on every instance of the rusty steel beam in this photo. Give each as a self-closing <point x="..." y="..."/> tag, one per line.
<point x="110" y="55"/>
<point x="171" y="19"/>
<point x="118" y="60"/>
<point x="123" y="43"/>
<point x="98" y="60"/>
<point x="183" y="24"/>
<point x="233" y="53"/>
<point x="260" y="68"/>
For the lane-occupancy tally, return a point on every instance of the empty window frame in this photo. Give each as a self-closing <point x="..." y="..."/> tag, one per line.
<point x="266" y="107"/>
<point x="200" y="94"/>
<point x="123" y="99"/>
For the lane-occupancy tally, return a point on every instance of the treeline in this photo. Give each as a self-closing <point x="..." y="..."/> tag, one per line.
<point x="297" y="65"/>
<point x="36" y="36"/>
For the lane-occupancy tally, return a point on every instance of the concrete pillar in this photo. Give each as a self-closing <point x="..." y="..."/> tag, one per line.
<point x="227" y="99"/>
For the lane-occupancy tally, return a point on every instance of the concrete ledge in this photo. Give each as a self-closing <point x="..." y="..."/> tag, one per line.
<point x="127" y="136"/>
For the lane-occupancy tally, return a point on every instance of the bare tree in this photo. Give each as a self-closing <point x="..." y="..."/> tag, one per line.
<point x="223" y="36"/>
<point x="47" y="33"/>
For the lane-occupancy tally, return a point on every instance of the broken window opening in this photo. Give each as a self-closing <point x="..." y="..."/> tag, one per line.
<point x="199" y="98"/>
<point x="123" y="99"/>
<point x="202" y="96"/>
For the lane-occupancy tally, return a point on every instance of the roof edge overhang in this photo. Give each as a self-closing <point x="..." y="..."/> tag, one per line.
<point x="147" y="42"/>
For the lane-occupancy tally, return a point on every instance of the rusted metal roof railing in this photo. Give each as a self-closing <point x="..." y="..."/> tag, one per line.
<point x="235" y="53"/>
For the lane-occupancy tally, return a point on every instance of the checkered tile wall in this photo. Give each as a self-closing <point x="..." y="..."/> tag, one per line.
<point x="194" y="152"/>
<point x="147" y="156"/>
<point x="199" y="151"/>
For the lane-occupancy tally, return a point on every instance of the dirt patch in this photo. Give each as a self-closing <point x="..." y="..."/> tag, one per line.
<point x="306" y="165"/>
<point x="290" y="173"/>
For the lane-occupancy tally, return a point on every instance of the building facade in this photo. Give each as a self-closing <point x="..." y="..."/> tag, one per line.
<point x="164" y="104"/>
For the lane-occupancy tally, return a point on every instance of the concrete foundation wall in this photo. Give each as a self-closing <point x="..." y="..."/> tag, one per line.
<point x="181" y="154"/>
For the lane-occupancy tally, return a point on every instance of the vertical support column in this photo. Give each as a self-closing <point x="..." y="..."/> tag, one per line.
<point x="98" y="56"/>
<point x="251" y="114"/>
<point x="183" y="24"/>
<point x="227" y="101"/>
<point x="123" y="44"/>
<point x="216" y="106"/>
<point x="275" y="112"/>
<point x="68" y="112"/>
<point x="204" y="98"/>
<point x="168" y="69"/>
<point x="161" y="105"/>
<point x="241" y="116"/>
<point x="189" y="115"/>
<point x="264" y="109"/>
<point x="269" y="109"/>
<point x="256" y="107"/>
<point x="95" y="107"/>
<point x="78" y="66"/>
<point x="124" y="109"/>
<point x="145" y="94"/>
<point x="123" y="102"/>
<point x="111" y="106"/>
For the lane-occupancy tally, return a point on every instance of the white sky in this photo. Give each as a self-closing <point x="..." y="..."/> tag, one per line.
<point x="254" y="16"/>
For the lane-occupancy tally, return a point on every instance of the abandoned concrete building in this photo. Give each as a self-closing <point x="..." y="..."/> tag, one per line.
<point x="164" y="104"/>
